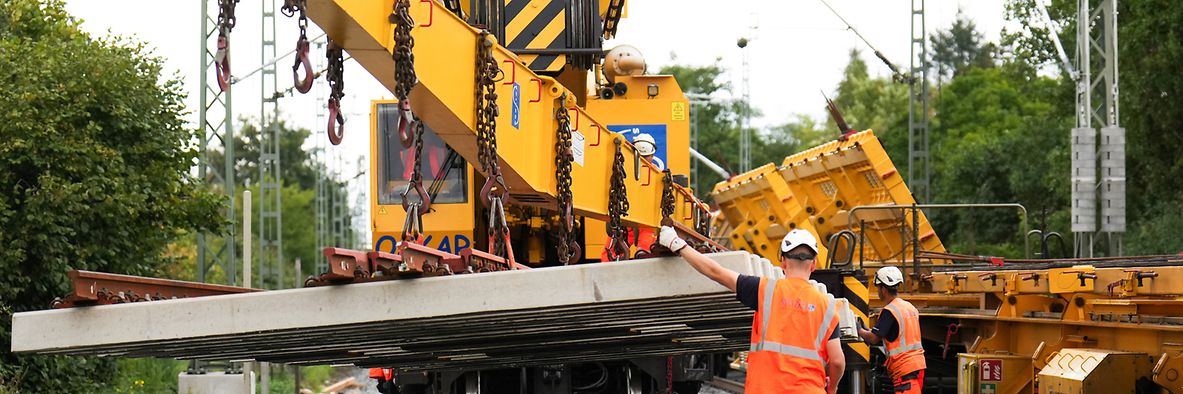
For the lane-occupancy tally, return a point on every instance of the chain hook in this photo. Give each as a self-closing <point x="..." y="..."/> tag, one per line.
<point x="406" y="122"/>
<point x="302" y="85"/>
<point x="336" y="127"/>
<point x="222" y="62"/>
<point x="226" y="22"/>
<point x="335" y="77"/>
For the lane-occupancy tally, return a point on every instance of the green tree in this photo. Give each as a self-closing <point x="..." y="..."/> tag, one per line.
<point x="94" y="166"/>
<point x="1151" y="49"/>
<point x="1001" y="136"/>
<point x="297" y="166"/>
<point x="800" y="133"/>
<point x="958" y="49"/>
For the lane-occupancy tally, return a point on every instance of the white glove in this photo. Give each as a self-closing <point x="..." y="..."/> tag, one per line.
<point x="670" y="240"/>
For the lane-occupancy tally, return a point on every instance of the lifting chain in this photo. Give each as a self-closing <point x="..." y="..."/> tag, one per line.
<point x="568" y="247"/>
<point x="226" y="22"/>
<point x="413" y="227"/>
<point x="404" y="69"/>
<point x="404" y="79"/>
<point x="667" y="194"/>
<point x="702" y="219"/>
<point x="488" y="73"/>
<point x="702" y="226"/>
<point x="290" y="9"/>
<point x="494" y="191"/>
<point x="335" y="76"/>
<point x="618" y="246"/>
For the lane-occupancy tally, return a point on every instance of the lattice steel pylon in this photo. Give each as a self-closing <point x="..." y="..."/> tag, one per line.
<point x="745" y="124"/>
<point x="1098" y="164"/>
<point x="340" y="208"/>
<point x="322" y="194"/>
<point x="270" y="233"/>
<point x="214" y="122"/>
<point x="919" y="174"/>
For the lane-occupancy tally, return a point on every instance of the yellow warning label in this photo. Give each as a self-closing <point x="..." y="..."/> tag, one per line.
<point x="381" y="210"/>
<point x="678" y="111"/>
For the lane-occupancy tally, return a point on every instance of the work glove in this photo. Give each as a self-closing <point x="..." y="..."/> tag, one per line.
<point x="670" y="240"/>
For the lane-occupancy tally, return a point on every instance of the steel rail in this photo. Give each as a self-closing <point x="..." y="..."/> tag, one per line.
<point x="850" y="220"/>
<point x="725" y="384"/>
<point x="100" y="288"/>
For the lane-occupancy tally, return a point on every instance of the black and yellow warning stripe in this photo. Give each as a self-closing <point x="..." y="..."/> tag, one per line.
<point x="537" y="24"/>
<point x="857" y="294"/>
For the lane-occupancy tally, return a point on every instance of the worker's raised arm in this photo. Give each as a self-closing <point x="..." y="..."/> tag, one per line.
<point x="704" y="265"/>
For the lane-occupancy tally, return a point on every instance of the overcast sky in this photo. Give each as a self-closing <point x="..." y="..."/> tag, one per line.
<point x="799" y="48"/>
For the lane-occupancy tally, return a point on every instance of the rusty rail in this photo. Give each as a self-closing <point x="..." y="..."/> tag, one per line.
<point x="412" y="261"/>
<point x="100" y="288"/>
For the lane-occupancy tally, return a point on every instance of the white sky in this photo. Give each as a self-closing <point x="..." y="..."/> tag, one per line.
<point x="799" y="49"/>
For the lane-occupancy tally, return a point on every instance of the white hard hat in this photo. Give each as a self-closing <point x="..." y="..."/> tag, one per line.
<point x="645" y="144"/>
<point x="889" y="276"/>
<point x="796" y="238"/>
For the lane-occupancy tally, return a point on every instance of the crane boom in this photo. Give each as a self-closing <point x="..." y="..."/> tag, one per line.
<point x="445" y="58"/>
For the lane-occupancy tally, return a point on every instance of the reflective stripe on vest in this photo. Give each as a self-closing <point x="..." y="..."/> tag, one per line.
<point x="789" y="350"/>
<point x="902" y="337"/>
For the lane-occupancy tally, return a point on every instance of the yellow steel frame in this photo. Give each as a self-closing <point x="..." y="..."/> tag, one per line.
<point x="816" y="190"/>
<point x="445" y="53"/>
<point x="1040" y="311"/>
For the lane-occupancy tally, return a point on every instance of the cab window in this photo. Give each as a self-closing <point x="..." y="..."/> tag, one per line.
<point x="395" y="162"/>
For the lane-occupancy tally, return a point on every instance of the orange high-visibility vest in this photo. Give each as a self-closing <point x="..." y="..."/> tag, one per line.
<point x="904" y="355"/>
<point x="789" y="334"/>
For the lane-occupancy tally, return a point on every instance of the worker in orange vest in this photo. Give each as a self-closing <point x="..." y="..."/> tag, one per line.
<point x="795" y="344"/>
<point x="898" y="328"/>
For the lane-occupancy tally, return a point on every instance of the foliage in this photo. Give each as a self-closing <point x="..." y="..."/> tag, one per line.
<point x="958" y="49"/>
<point x="987" y="117"/>
<point x="147" y="375"/>
<point x="1151" y="49"/>
<point x="800" y="133"/>
<point x="94" y="164"/>
<point x="297" y="166"/>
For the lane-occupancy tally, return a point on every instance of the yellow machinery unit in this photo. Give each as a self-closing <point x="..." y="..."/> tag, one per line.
<point x="994" y="374"/>
<point x="1088" y="371"/>
<point x="826" y="190"/>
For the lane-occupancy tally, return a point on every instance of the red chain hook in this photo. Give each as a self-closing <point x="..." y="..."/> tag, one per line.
<point x="336" y="122"/>
<point x="222" y="62"/>
<point x="406" y="123"/>
<point x="952" y="330"/>
<point x="302" y="85"/>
